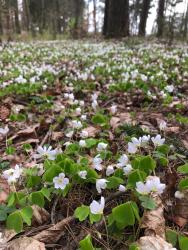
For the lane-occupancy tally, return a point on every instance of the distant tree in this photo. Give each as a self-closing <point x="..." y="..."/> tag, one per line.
<point x="143" y="17"/>
<point x="16" y="14"/>
<point x="116" y="19"/>
<point x="160" y="18"/>
<point x="1" y="18"/>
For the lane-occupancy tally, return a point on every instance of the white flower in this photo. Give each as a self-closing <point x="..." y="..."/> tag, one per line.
<point x="109" y="170"/>
<point x="4" y="131"/>
<point x="154" y="185"/>
<point x="162" y="125"/>
<point x="94" y="97"/>
<point x="113" y="109"/>
<point x="82" y="103"/>
<point x="136" y="142"/>
<point x="94" y="104"/>
<point x="78" y="111"/>
<point x="169" y="88"/>
<point x="83" y="117"/>
<point x="132" y="148"/>
<point x="82" y="143"/>
<point x="84" y="134"/>
<point x="127" y="169"/>
<point x="101" y="146"/>
<point x="122" y="161"/>
<point x="76" y="124"/>
<point x="83" y="174"/>
<point x="12" y="174"/>
<point x="69" y="134"/>
<point x="142" y="188"/>
<point x="101" y="184"/>
<point x="179" y="195"/>
<point x="97" y="163"/>
<point x="145" y="139"/>
<point x="60" y="181"/>
<point x="122" y="188"/>
<point x="157" y="140"/>
<point x="40" y="169"/>
<point x="97" y="207"/>
<point x="71" y="97"/>
<point x="46" y="152"/>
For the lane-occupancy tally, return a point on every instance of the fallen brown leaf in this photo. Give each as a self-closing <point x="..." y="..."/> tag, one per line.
<point x="4" y="190"/>
<point x="153" y="220"/>
<point x="114" y="122"/>
<point x="25" y="243"/>
<point x="92" y="131"/>
<point x="154" y="243"/>
<point x="40" y="215"/>
<point x="54" y="233"/>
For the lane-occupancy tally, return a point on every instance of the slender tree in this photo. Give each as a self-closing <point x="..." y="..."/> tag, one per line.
<point x="143" y="17"/>
<point x="160" y="18"/>
<point x="16" y="13"/>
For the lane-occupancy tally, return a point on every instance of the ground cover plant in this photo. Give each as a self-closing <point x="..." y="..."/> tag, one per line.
<point x="94" y="145"/>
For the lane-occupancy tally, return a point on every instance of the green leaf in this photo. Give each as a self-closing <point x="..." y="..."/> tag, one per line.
<point x="52" y="172"/>
<point x="134" y="246"/>
<point x="27" y="214"/>
<point x="114" y="182"/>
<point x="147" y="202"/>
<point x="37" y="198"/>
<point x="86" y="243"/>
<point x="81" y="213"/>
<point x="165" y="149"/>
<point x="183" y="169"/>
<point x="91" y="142"/>
<point x="33" y="181"/>
<point x="15" y="222"/>
<point x="3" y="215"/>
<point x="46" y="193"/>
<point x="94" y="217"/>
<point x="183" y="184"/>
<point x="183" y="242"/>
<point x="11" y="199"/>
<point x="172" y="237"/>
<point x="124" y="215"/>
<point x="100" y="119"/>
<point x="144" y="163"/>
<point x="136" y="176"/>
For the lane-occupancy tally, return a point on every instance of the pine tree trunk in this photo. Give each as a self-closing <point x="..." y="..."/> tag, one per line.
<point x="143" y="17"/>
<point x="160" y="18"/>
<point x="116" y="21"/>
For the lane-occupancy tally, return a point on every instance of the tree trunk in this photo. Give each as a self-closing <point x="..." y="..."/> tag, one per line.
<point x="17" y="23"/>
<point x="185" y="24"/>
<point x="160" y="18"/>
<point x="94" y="16"/>
<point x="79" y="5"/>
<point x="26" y="15"/>
<point x="1" y="21"/>
<point x="143" y="17"/>
<point x="116" y="21"/>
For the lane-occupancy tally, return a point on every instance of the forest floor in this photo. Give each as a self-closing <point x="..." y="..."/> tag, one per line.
<point x="93" y="146"/>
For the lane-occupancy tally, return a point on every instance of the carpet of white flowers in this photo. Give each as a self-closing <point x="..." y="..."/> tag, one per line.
<point x="94" y="145"/>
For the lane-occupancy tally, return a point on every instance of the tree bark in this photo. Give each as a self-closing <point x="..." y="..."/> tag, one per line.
<point x="143" y="17"/>
<point x="160" y="18"/>
<point x="116" y="20"/>
<point x="17" y="23"/>
<point x="94" y="16"/>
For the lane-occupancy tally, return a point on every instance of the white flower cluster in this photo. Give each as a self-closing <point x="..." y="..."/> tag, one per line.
<point x="152" y="184"/>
